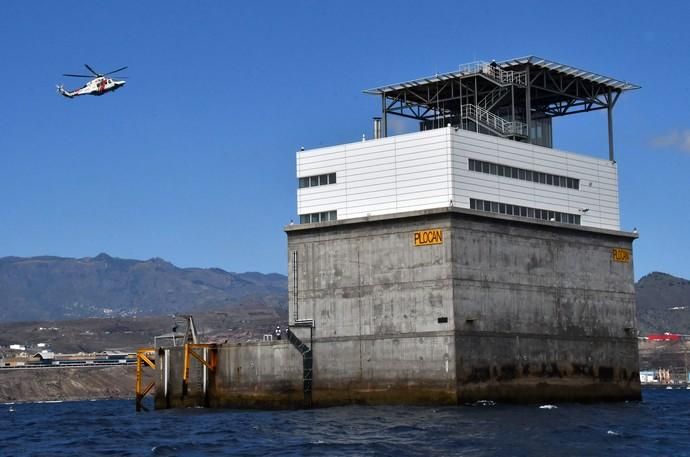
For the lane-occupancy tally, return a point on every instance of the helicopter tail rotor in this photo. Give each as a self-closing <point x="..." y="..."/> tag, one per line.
<point x="61" y="91"/>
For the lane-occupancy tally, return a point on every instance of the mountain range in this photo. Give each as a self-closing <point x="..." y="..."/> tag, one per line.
<point x="58" y="288"/>
<point x="55" y="288"/>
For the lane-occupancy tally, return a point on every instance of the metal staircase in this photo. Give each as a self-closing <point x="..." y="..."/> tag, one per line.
<point x="493" y="97"/>
<point x="307" y="365"/>
<point x="481" y="113"/>
<point x="492" y="122"/>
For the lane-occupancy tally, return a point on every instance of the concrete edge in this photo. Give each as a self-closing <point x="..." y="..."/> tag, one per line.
<point x="460" y="211"/>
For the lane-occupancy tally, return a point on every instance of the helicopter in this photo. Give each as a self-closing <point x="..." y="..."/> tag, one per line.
<point x="99" y="84"/>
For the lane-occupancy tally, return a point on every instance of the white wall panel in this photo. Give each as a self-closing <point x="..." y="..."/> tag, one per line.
<point x="428" y="169"/>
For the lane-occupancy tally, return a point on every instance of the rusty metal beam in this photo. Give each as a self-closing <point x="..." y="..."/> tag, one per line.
<point x="143" y="360"/>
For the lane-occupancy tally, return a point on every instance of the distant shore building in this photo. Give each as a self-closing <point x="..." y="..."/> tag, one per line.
<point x="467" y="260"/>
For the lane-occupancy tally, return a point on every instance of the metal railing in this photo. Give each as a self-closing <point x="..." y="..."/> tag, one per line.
<point x="493" y="122"/>
<point x="492" y="97"/>
<point x="494" y="72"/>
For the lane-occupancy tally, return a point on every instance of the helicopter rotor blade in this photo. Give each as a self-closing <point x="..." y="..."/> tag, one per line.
<point x="92" y="70"/>
<point x="115" y="71"/>
<point x="77" y="76"/>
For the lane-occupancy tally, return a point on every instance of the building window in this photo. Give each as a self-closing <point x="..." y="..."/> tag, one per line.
<point x="523" y="211"/>
<point x="506" y="171"/>
<point x="323" y="216"/>
<point x="319" y="180"/>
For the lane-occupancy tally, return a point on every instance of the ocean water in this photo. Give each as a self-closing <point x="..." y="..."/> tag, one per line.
<point x="659" y="425"/>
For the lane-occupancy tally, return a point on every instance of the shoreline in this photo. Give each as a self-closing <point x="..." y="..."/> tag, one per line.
<point x="68" y="384"/>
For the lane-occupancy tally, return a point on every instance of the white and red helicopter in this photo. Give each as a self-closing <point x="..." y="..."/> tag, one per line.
<point x="99" y="85"/>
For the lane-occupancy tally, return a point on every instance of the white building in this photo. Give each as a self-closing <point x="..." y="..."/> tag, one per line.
<point x="473" y="150"/>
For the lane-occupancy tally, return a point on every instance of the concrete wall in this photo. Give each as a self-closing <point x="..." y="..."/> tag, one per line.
<point x="248" y="375"/>
<point x="535" y="311"/>
<point x="503" y="309"/>
<point x="542" y="313"/>
<point x="376" y="303"/>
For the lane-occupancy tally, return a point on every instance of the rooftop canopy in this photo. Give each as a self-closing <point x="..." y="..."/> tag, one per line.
<point x="515" y="98"/>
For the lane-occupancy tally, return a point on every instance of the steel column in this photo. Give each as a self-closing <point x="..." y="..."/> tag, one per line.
<point x="609" y="111"/>
<point x="528" y="105"/>
<point x="384" y="120"/>
<point x="476" y="120"/>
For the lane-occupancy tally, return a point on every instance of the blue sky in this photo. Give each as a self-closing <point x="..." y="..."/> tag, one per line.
<point x="193" y="161"/>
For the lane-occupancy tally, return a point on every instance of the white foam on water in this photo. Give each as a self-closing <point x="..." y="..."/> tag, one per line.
<point x="548" y="407"/>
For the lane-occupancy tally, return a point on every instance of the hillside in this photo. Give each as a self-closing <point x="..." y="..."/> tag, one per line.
<point x="65" y="384"/>
<point x="56" y="288"/>
<point x="663" y="304"/>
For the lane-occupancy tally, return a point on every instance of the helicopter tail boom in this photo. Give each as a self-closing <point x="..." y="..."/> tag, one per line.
<point x="61" y="90"/>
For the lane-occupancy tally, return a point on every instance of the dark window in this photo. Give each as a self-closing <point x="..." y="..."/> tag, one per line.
<point x="529" y="175"/>
<point x="500" y="170"/>
<point x="471" y="165"/>
<point x="493" y="168"/>
<point x="514" y="172"/>
<point x="516" y="210"/>
<point x="323" y="216"/>
<point x="320" y="180"/>
<point x="549" y="179"/>
<point x="570" y="183"/>
<point x="576" y="183"/>
<point x="521" y="174"/>
<point x="442" y="320"/>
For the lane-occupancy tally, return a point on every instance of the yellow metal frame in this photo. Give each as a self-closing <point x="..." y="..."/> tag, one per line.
<point x="189" y="349"/>
<point x="143" y="359"/>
